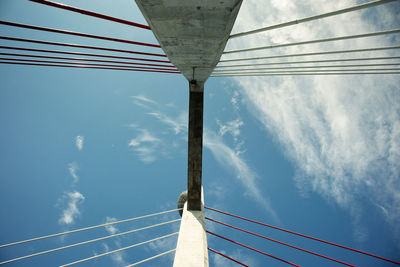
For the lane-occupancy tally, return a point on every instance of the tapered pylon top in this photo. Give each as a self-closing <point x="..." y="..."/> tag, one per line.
<point x="192" y="33"/>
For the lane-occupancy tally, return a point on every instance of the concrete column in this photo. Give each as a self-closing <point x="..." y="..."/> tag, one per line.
<point x="195" y="144"/>
<point x="192" y="250"/>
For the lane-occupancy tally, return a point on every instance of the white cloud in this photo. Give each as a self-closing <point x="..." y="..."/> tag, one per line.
<point x="118" y="258"/>
<point x="145" y="145"/>
<point x="164" y="244"/>
<point x="71" y="212"/>
<point x="142" y="98"/>
<point x="146" y="154"/>
<point x="111" y="229"/>
<point x="235" y="100"/>
<point x="220" y="261"/>
<point x="148" y="147"/>
<point x="132" y="125"/>
<point x="216" y="190"/>
<point x="179" y="124"/>
<point x="73" y="168"/>
<point x="79" y="142"/>
<point x="106" y="248"/>
<point x="342" y="132"/>
<point x="233" y="162"/>
<point x="232" y="127"/>
<point x="229" y="158"/>
<point x="144" y="137"/>
<point x="142" y="101"/>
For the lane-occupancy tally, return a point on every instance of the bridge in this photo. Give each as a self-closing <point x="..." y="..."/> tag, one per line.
<point x="193" y="37"/>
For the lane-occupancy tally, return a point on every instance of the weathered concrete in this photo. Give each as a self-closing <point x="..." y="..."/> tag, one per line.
<point x="191" y="250"/>
<point x="181" y="202"/>
<point x="192" y="33"/>
<point x="195" y="144"/>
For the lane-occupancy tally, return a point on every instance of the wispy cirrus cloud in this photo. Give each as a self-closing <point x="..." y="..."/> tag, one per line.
<point x="119" y="258"/>
<point x="234" y="162"/>
<point x="144" y="137"/>
<point x="73" y="168"/>
<point x="342" y="132"/>
<point x="131" y="125"/>
<point x="79" y="142"/>
<point x="145" y="145"/>
<point x="111" y="229"/>
<point x="165" y="244"/>
<point x="143" y="101"/>
<point x="178" y="125"/>
<point x="228" y="157"/>
<point x="232" y="127"/>
<point x="71" y="200"/>
<point x="169" y="243"/>
<point x="142" y="98"/>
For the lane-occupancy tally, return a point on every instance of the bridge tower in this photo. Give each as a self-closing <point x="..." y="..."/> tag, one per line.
<point x="193" y="34"/>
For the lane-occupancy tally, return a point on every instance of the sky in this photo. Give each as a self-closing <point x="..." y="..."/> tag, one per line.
<point x="315" y="154"/>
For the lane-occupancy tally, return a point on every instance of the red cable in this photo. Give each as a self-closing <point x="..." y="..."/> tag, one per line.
<point x="266" y="254"/>
<point x="88" y="47"/>
<point x="229" y="258"/>
<point x="82" y="67"/>
<point x="172" y="68"/>
<point x="306" y="236"/>
<point x="273" y="240"/>
<point x="86" y="54"/>
<point x="13" y="24"/>
<point x="90" y="13"/>
<point x="87" y="64"/>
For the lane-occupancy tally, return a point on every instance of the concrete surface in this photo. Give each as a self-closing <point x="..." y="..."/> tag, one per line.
<point x="192" y="33"/>
<point x="192" y="250"/>
<point x="195" y="145"/>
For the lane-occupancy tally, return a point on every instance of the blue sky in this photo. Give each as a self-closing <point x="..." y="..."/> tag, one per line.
<point x="318" y="155"/>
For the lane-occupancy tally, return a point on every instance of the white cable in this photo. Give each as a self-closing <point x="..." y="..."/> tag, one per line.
<point x="301" y="71"/>
<point x="85" y="242"/>
<point x="86" y="228"/>
<point x="307" y="74"/>
<point x="313" y="53"/>
<point x="320" y="16"/>
<point x="148" y="259"/>
<point x="306" y="62"/>
<point x="118" y="250"/>
<point x="309" y="67"/>
<point x="315" y="41"/>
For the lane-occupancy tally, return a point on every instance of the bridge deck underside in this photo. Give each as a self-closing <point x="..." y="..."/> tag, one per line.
<point x="192" y="33"/>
